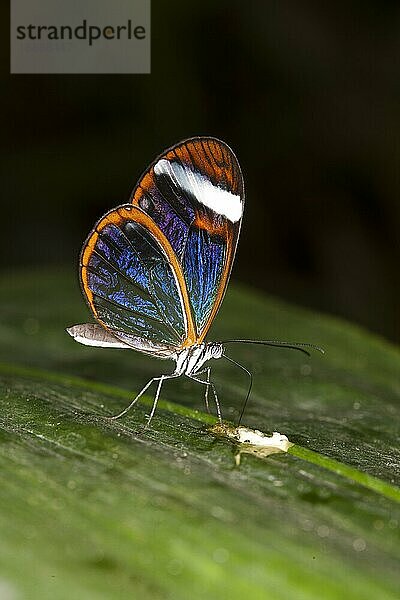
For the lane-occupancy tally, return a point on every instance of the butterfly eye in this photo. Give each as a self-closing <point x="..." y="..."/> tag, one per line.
<point x="146" y="204"/>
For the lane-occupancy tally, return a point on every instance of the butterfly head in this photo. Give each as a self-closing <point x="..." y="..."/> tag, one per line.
<point x="215" y="349"/>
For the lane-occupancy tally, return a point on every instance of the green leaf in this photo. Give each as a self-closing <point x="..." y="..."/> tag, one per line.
<point x="90" y="508"/>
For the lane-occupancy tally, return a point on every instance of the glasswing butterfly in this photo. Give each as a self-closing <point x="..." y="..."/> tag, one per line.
<point x="154" y="271"/>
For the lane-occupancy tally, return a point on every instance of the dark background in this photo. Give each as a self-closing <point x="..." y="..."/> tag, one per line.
<point x="306" y="93"/>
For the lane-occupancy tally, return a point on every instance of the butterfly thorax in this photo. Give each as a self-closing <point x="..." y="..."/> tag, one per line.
<point x="190" y="360"/>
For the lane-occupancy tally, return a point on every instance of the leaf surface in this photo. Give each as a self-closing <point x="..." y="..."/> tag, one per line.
<point x="92" y="508"/>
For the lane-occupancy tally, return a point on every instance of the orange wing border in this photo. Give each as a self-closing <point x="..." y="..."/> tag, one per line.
<point x="119" y="216"/>
<point x="218" y="161"/>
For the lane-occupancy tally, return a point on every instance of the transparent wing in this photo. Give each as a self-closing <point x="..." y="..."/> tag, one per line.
<point x="194" y="193"/>
<point x="129" y="282"/>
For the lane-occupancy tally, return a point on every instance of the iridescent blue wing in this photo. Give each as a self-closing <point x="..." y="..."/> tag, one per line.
<point x="194" y="193"/>
<point x="129" y="276"/>
<point x="154" y="272"/>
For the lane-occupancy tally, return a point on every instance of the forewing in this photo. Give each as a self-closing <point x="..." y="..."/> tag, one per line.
<point x="194" y="193"/>
<point x="130" y="283"/>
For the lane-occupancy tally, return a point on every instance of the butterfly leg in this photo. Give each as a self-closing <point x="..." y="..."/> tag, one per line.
<point x="156" y="397"/>
<point x="209" y="384"/>
<point x="207" y="388"/>
<point x="148" y="384"/>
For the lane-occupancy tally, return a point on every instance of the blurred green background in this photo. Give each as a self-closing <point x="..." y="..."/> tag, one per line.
<point x="306" y="93"/>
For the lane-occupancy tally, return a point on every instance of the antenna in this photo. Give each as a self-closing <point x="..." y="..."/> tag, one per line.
<point x="300" y="346"/>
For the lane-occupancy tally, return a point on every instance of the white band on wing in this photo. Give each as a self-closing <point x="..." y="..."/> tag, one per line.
<point x="220" y="201"/>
